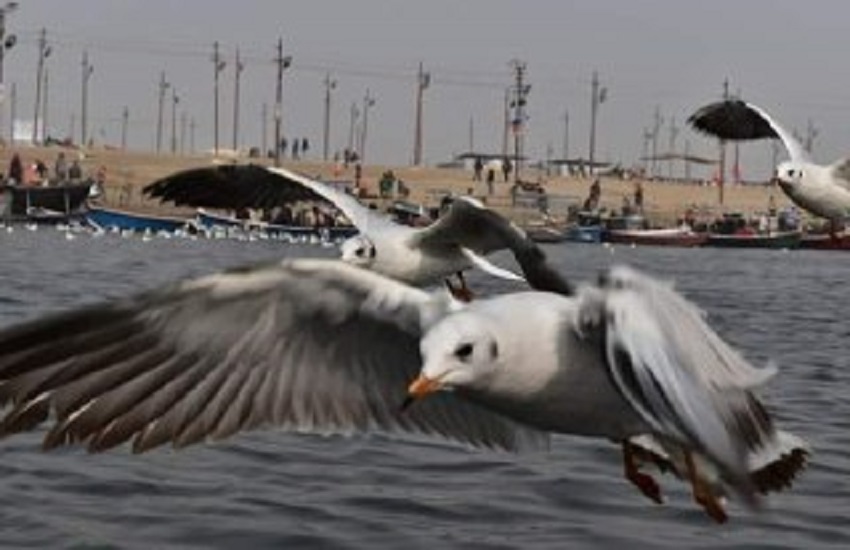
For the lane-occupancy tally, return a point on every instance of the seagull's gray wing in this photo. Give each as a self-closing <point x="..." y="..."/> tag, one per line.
<point x="306" y="345"/>
<point x="364" y="218"/>
<point x="841" y="172"/>
<point x="737" y="120"/>
<point x="470" y="225"/>
<point x="659" y="373"/>
<point x="228" y="186"/>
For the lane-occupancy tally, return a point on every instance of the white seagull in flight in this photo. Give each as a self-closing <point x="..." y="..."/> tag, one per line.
<point x="821" y="190"/>
<point x="457" y="241"/>
<point x="323" y="346"/>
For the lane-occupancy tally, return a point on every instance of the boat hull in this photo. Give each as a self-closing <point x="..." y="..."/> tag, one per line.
<point x="110" y="218"/>
<point x="825" y="242"/>
<point x="785" y="239"/>
<point x="656" y="237"/>
<point x="209" y="220"/>
<point x="25" y="202"/>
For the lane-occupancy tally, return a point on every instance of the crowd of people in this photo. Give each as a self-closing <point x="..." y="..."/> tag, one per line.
<point x="38" y="173"/>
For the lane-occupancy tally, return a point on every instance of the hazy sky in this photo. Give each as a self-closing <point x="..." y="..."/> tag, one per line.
<point x="790" y="57"/>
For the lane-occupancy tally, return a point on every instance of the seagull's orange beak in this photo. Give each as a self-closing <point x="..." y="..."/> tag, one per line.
<point x="420" y="388"/>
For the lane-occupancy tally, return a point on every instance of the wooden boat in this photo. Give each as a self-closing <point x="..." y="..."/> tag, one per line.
<point x="210" y="220"/>
<point x="31" y="203"/>
<point x="677" y="236"/>
<point x="111" y="218"/>
<point x="778" y="239"/>
<point x="825" y="242"/>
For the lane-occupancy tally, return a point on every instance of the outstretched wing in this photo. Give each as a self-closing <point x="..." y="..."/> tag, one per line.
<point x="307" y="345"/>
<point x="237" y="186"/>
<point x="738" y="120"/>
<point x="841" y="172"/>
<point x="470" y="225"/>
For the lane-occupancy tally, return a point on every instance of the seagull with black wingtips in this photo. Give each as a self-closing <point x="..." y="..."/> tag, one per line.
<point x="823" y="190"/>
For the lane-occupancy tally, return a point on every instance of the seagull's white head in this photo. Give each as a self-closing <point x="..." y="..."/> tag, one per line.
<point x="460" y="351"/>
<point x="790" y="174"/>
<point x="360" y="251"/>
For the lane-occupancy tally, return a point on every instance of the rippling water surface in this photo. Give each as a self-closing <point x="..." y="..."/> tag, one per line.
<point x="277" y="490"/>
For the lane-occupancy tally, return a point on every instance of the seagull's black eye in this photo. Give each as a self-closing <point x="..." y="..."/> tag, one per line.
<point x="790" y="173"/>
<point x="463" y="352"/>
<point x="359" y="252"/>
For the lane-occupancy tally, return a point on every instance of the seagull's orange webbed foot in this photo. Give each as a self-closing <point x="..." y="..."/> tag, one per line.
<point x="645" y="482"/>
<point x="461" y="293"/>
<point x="703" y="494"/>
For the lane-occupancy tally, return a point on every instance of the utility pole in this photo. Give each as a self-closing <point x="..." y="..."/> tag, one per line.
<point x="520" y="92"/>
<point x="163" y="86"/>
<point x="566" y="152"/>
<point x="13" y="111"/>
<point x="184" y="121"/>
<point x="658" y="121"/>
<point x="506" y="125"/>
<point x="264" y="127"/>
<point x="44" y="104"/>
<point x="471" y="134"/>
<point x="175" y="99"/>
<point x="674" y="132"/>
<point x="87" y="72"/>
<point x="329" y="85"/>
<point x="125" y="123"/>
<point x="811" y="134"/>
<point x="192" y="126"/>
<point x="218" y="66"/>
<point x="6" y="43"/>
<point x="237" y="77"/>
<point x="647" y="137"/>
<point x="354" y="114"/>
<point x="688" y="160"/>
<point x="43" y="53"/>
<point x="423" y="80"/>
<point x="722" y="167"/>
<point x="598" y="96"/>
<point x="283" y="63"/>
<point x="368" y="101"/>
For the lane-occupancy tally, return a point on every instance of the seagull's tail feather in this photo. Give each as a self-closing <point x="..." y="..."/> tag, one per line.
<point x="775" y="466"/>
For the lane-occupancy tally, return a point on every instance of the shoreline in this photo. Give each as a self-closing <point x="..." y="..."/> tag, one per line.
<point x="127" y="172"/>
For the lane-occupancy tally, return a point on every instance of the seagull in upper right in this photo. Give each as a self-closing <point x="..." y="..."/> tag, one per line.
<point x="823" y="190"/>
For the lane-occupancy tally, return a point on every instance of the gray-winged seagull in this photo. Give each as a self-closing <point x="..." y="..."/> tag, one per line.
<point x="821" y="190"/>
<point x="323" y="346"/>
<point x="418" y="256"/>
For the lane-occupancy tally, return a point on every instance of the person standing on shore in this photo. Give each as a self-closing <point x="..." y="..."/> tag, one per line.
<point x="60" y="168"/>
<point x="16" y="170"/>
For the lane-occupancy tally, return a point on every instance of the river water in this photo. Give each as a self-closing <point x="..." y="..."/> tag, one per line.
<point x="277" y="490"/>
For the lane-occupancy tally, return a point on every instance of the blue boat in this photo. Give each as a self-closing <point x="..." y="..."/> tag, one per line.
<point x="588" y="229"/>
<point x="210" y="220"/>
<point x="585" y="234"/>
<point x="111" y="218"/>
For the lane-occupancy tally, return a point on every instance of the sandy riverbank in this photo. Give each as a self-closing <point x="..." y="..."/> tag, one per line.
<point x="128" y="172"/>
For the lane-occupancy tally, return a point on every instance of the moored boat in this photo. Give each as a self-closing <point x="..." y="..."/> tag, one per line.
<point x="112" y="218"/>
<point x="825" y="242"/>
<point x="677" y="236"/>
<point x="55" y="203"/>
<point x="210" y="220"/>
<point x="776" y="239"/>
